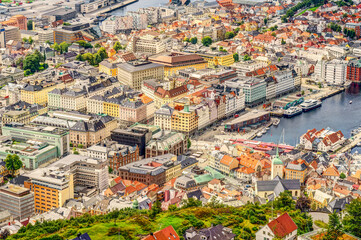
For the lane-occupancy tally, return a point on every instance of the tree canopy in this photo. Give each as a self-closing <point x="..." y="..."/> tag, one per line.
<point x="13" y="163"/>
<point x="207" y="41"/>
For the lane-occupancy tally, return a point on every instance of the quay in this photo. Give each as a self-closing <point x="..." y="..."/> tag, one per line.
<point x="114" y="7"/>
<point x="356" y="139"/>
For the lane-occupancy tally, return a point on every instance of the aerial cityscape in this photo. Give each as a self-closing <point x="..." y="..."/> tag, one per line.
<point x="180" y="119"/>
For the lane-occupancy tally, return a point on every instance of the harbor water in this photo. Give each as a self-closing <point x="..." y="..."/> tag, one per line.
<point x="140" y="4"/>
<point x="336" y="112"/>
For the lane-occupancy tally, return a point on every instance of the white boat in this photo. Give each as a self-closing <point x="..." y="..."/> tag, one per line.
<point x="264" y="131"/>
<point x="310" y="104"/>
<point x="292" y="111"/>
<point x="259" y="134"/>
<point x="350" y="102"/>
<point x="276" y="122"/>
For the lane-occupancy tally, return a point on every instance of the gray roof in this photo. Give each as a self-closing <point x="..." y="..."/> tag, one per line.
<point x="278" y="185"/>
<point x="138" y="66"/>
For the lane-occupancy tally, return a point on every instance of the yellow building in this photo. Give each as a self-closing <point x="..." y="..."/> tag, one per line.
<point x="184" y="120"/>
<point x="24" y="116"/>
<point x="296" y="170"/>
<point x="108" y="68"/>
<point x="174" y="62"/>
<point x="37" y="93"/>
<point x="221" y="58"/>
<point x="111" y="107"/>
<point x="51" y="189"/>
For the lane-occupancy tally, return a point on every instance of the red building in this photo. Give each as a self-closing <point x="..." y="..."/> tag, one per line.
<point x="354" y="71"/>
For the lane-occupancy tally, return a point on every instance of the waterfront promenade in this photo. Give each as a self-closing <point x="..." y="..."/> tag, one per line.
<point x="113" y="7"/>
<point x="356" y="139"/>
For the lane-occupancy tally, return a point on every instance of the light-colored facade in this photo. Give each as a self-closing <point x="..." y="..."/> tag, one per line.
<point x="17" y="200"/>
<point x="134" y="73"/>
<point x="335" y="72"/>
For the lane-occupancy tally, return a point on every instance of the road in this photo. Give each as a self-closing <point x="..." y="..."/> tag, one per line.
<point x="355" y="140"/>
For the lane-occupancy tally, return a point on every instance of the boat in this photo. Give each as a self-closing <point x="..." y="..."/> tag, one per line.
<point x="259" y="134"/>
<point x="308" y="105"/>
<point x="350" y="102"/>
<point x="264" y="131"/>
<point x="276" y="122"/>
<point x="292" y="111"/>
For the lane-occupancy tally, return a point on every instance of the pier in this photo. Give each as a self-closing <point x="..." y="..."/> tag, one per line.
<point x="356" y="139"/>
<point x="114" y="7"/>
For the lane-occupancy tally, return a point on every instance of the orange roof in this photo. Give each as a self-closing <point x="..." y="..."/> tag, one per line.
<point x="145" y="99"/>
<point x="331" y="171"/>
<point x="164" y="234"/>
<point x="227" y="160"/>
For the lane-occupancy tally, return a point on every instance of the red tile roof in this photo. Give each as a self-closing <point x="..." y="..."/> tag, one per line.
<point x="282" y="226"/>
<point x="167" y="233"/>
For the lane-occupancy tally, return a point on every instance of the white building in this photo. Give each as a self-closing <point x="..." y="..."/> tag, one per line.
<point x="284" y="82"/>
<point x="335" y="72"/>
<point x="283" y="227"/>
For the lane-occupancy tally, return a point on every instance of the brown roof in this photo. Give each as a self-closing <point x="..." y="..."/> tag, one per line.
<point x="174" y="59"/>
<point x="171" y="93"/>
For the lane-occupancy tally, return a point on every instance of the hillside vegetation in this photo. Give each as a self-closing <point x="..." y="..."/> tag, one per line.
<point x="129" y="224"/>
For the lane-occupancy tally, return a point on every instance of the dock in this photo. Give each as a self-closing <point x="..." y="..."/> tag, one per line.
<point x="356" y="139"/>
<point x="114" y="7"/>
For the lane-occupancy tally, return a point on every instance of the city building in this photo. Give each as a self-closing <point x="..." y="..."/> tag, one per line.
<point x="137" y="136"/>
<point x="38" y="93"/>
<point x="8" y="33"/>
<point x="173" y="62"/>
<point x="19" y="201"/>
<point x="149" y="44"/>
<point x="335" y="72"/>
<point x="354" y="71"/>
<point x="108" y="68"/>
<point x="164" y="97"/>
<point x="51" y="188"/>
<point x="165" y="142"/>
<point x="19" y="21"/>
<point x="87" y="172"/>
<point x="50" y="135"/>
<point x="296" y="170"/>
<point x="93" y="131"/>
<point x="70" y="34"/>
<point x="134" y="73"/>
<point x="67" y="99"/>
<point x="219" y="58"/>
<point x="22" y="112"/>
<point x="158" y="170"/>
<point x="255" y="91"/>
<point x="184" y="119"/>
<point x="163" y="117"/>
<point x="324" y="140"/>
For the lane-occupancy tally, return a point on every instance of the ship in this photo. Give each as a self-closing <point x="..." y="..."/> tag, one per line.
<point x="292" y="111"/>
<point x="308" y="105"/>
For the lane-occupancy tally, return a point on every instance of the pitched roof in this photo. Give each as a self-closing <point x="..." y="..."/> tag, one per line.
<point x="167" y="233"/>
<point x="282" y="226"/>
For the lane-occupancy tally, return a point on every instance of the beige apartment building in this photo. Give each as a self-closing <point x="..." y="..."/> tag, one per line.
<point x="134" y="73"/>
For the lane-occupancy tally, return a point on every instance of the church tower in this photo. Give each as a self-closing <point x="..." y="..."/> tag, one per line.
<point x="277" y="166"/>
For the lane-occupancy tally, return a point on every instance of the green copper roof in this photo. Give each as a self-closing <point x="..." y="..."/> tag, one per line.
<point x="276" y="160"/>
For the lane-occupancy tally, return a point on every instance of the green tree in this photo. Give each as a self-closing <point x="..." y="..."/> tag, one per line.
<point x="194" y="40"/>
<point x="117" y="46"/>
<point x="189" y="143"/>
<point x="273" y="34"/>
<point x="236" y="57"/>
<point x="13" y="163"/>
<point x="207" y="41"/>
<point x="80" y="146"/>
<point x="283" y="42"/>
<point x="110" y="170"/>
<point x="155" y="210"/>
<point x="31" y="40"/>
<point x="97" y="45"/>
<point x="79" y="57"/>
<point x="66" y="24"/>
<point x="25" y="40"/>
<point x="334" y="229"/>
<point x="229" y="35"/>
<point x="56" y="47"/>
<point x="352" y="220"/>
<point x="63" y="47"/>
<point x="284" y="201"/>
<point x="19" y="62"/>
<point x="236" y="30"/>
<point x="88" y="57"/>
<point x="103" y="53"/>
<point x="97" y="59"/>
<point x="29" y="25"/>
<point x="273" y="28"/>
<point x="32" y="62"/>
<point x="185" y="39"/>
<point x="246" y="58"/>
<point x="342" y="176"/>
<point x="265" y="21"/>
<point x="84" y="44"/>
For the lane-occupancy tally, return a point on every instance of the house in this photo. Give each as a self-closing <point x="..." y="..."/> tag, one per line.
<point x="164" y="234"/>
<point x="331" y="173"/>
<point x="84" y="236"/>
<point x="338" y="204"/>
<point x="319" y="199"/>
<point x="282" y="227"/>
<point x="213" y="233"/>
<point x="323" y="140"/>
